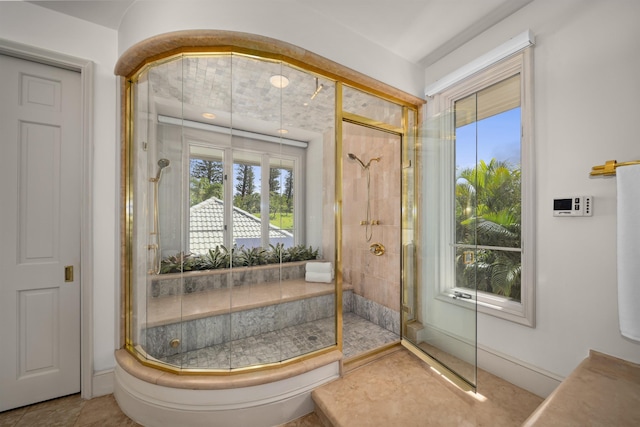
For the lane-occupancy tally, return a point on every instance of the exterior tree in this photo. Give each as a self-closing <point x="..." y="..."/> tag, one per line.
<point x="488" y="213"/>
<point x="274" y="180"/>
<point x="205" y="180"/>
<point x="288" y="191"/>
<point x="245" y="197"/>
<point x="209" y="169"/>
<point x="245" y="178"/>
<point x="202" y="189"/>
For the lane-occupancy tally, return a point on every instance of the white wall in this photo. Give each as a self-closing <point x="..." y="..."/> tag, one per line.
<point x="586" y="78"/>
<point x="32" y="25"/>
<point x="287" y="21"/>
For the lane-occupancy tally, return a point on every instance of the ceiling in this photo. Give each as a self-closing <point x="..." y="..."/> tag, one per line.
<point x="421" y="31"/>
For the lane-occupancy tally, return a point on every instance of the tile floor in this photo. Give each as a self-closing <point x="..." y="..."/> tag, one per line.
<point x="359" y="337"/>
<point x="397" y="389"/>
<point x="69" y="411"/>
<point x="381" y="393"/>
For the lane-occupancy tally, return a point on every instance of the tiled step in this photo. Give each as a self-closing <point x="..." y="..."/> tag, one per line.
<point x="399" y="389"/>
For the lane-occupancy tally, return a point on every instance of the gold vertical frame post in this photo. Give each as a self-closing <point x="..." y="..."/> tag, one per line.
<point x="128" y="207"/>
<point x="339" y="163"/>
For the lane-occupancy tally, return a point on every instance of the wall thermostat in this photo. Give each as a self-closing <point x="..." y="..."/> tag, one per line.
<point x="573" y="206"/>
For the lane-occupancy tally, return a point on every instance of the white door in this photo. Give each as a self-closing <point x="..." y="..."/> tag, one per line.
<point x="40" y="164"/>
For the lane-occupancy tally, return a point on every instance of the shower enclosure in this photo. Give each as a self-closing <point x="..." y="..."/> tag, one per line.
<point x="237" y="178"/>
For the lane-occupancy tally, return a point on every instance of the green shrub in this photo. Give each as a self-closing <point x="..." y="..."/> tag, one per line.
<point x="221" y="257"/>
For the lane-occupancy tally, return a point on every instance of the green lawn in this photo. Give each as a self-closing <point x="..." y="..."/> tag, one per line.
<point x="284" y="220"/>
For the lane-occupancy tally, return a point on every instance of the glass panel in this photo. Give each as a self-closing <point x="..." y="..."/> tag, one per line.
<point x="143" y="259"/>
<point x="164" y="209"/>
<point x="365" y="105"/>
<point x="444" y="324"/>
<point x="228" y="169"/>
<point x="409" y="225"/>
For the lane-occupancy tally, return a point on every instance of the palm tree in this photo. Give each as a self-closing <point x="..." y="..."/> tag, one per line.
<point x="488" y="214"/>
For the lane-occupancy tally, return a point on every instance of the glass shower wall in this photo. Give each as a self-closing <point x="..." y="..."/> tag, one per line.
<point x="228" y="155"/>
<point x="441" y="320"/>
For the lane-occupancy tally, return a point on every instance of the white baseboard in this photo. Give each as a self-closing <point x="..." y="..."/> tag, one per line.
<point x="102" y="383"/>
<point x="522" y="374"/>
<point x="529" y="377"/>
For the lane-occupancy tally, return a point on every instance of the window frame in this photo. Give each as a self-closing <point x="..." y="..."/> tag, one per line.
<point x="443" y="102"/>
<point x="267" y="151"/>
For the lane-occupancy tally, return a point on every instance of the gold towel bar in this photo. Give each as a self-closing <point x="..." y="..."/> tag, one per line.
<point x="609" y="168"/>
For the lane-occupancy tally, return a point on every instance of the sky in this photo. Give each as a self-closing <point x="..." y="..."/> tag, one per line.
<point x="498" y="137"/>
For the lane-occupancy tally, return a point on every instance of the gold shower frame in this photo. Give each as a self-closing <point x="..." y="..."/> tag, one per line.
<point x="166" y="47"/>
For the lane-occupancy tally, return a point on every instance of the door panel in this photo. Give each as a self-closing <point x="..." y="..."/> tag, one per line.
<point x="40" y="232"/>
<point x="39" y="172"/>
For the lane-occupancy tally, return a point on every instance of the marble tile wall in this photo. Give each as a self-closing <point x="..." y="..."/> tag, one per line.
<point x="376" y="278"/>
<point x="178" y="284"/>
<point x="375" y="313"/>
<point x="213" y="330"/>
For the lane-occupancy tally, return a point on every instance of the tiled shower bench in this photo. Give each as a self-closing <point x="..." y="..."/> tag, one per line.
<point x="208" y="313"/>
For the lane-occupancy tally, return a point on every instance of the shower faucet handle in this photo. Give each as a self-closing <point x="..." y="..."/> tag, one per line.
<point x="377" y="249"/>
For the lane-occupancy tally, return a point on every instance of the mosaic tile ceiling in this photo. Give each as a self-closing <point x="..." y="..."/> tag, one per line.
<point x="237" y="90"/>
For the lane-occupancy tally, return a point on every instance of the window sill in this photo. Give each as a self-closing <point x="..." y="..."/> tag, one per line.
<point x="486" y="303"/>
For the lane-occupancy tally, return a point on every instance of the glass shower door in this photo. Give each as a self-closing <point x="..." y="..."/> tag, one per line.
<point x="439" y="296"/>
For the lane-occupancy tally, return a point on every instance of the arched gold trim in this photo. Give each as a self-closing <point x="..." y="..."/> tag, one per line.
<point x="161" y="46"/>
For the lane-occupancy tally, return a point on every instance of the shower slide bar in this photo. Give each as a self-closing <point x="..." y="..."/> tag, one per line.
<point x="609" y="168"/>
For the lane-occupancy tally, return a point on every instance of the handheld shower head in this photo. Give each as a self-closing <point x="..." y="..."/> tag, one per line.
<point x="354" y="157"/>
<point x="162" y="163"/>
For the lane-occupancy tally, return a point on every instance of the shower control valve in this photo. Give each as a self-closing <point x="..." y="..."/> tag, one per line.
<point x="377" y="249"/>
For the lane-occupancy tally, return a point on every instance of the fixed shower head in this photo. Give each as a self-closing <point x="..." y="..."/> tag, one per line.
<point x="375" y="159"/>
<point x="354" y="157"/>
<point x="162" y="163"/>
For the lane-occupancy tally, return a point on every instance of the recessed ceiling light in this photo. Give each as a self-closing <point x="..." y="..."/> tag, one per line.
<point x="209" y="116"/>
<point x="279" y="81"/>
<point x="282" y="131"/>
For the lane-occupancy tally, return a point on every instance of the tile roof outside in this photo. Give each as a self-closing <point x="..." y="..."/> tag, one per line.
<point x="206" y="227"/>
